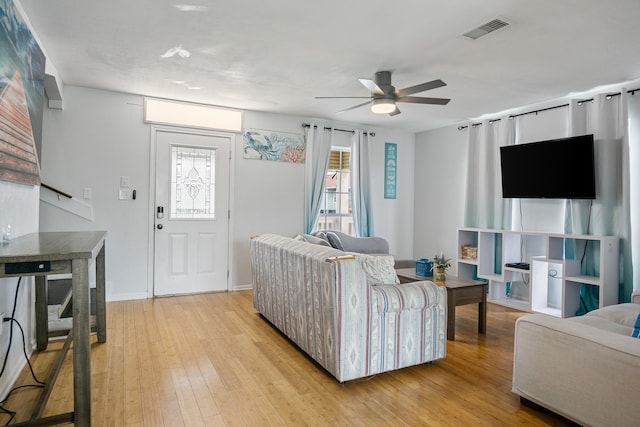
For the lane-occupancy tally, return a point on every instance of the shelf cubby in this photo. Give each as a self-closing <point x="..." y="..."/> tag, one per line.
<point x="552" y="284"/>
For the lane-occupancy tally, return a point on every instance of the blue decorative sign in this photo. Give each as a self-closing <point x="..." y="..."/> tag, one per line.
<point x="390" y="169"/>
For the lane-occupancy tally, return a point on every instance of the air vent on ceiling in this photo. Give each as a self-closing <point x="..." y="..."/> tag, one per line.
<point x="485" y="29"/>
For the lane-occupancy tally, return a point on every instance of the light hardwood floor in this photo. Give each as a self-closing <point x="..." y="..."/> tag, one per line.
<point x="211" y="360"/>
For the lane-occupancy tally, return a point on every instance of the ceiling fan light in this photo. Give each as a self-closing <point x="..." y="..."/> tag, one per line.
<point x="383" y="106"/>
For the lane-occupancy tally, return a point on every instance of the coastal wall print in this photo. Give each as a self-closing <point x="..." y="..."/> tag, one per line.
<point x="272" y="145"/>
<point x="390" y="169"/>
<point x="21" y="98"/>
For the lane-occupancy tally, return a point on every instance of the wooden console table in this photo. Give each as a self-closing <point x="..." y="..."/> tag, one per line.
<point x="41" y="254"/>
<point x="459" y="292"/>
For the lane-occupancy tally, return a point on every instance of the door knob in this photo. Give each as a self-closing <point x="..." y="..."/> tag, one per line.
<point x="159" y="226"/>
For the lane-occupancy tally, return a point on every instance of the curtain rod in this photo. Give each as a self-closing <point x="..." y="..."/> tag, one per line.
<point x="306" y="125"/>
<point x="579" y="102"/>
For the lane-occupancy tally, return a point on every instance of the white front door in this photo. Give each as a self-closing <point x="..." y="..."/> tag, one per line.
<point x="191" y="212"/>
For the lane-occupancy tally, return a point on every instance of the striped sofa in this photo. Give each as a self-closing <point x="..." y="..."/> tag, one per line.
<point x="321" y="298"/>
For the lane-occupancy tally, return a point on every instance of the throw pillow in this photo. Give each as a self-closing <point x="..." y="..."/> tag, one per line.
<point x="335" y="241"/>
<point x="316" y="240"/>
<point x="308" y="238"/>
<point x="322" y="235"/>
<point x="636" y="329"/>
<point x="379" y="269"/>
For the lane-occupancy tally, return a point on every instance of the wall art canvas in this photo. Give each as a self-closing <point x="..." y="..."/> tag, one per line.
<point x="390" y="169"/>
<point x="272" y="145"/>
<point x="21" y="98"/>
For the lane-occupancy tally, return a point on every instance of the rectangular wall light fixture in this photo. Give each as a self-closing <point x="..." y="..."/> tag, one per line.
<point x="178" y="113"/>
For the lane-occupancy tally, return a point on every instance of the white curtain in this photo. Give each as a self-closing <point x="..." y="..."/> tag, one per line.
<point x="634" y="183"/>
<point x="484" y="205"/>
<point x="315" y="172"/>
<point x="360" y="185"/>
<point x="609" y="214"/>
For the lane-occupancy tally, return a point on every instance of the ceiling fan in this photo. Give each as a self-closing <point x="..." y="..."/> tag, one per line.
<point x="384" y="96"/>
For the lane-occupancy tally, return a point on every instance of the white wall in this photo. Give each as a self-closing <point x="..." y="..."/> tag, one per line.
<point x="100" y="136"/>
<point x="440" y="176"/>
<point x="393" y="218"/>
<point x="269" y="196"/>
<point x="19" y="210"/>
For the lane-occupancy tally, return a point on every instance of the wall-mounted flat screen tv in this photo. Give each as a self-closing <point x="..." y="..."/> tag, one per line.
<point x="554" y="169"/>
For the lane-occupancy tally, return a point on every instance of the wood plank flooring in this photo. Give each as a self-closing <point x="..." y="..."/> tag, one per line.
<point x="211" y="360"/>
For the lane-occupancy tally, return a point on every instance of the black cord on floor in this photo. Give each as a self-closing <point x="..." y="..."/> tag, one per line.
<point x="13" y="315"/>
<point x="24" y="350"/>
<point x="6" y="356"/>
<point x="12" y="414"/>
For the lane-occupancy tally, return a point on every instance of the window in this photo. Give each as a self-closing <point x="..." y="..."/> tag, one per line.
<point x="192" y="182"/>
<point x="335" y="211"/>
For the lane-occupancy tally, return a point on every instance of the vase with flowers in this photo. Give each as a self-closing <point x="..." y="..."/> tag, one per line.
<point x="440" y="266"/>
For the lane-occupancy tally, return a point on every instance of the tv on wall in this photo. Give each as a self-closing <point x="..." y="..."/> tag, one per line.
<point x="554" y="169"/>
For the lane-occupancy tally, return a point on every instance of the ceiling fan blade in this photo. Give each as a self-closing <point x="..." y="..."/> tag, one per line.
<point x="342" y="97"/>
<point x="421" y="87"/>
<point x="421" y="100"/>
<point x="372" y="86"/>
<point x="354" y="107"/>
<point x="395" y="112"/>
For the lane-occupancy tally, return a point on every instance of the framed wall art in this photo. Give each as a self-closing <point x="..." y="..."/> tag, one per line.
<point x="277" y="146"/>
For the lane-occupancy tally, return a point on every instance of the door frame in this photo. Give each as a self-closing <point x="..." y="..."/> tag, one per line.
<point x="152" y="197"/>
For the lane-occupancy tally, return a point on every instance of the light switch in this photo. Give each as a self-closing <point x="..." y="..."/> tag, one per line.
<point x="125" y="181"/>
<point x="87" y="193"/>
<point x="124" y="194"/>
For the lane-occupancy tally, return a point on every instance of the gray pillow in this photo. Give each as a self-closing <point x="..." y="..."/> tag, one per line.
<point x="322" y="235"/>
<point x="315" y="240"/>
<point x="335" y="241"/>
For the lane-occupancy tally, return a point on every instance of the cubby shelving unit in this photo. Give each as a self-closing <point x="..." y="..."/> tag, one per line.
<point x="551" y="285"/>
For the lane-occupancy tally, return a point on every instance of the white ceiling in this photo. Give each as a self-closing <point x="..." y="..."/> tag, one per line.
<point x="278" y="55"/>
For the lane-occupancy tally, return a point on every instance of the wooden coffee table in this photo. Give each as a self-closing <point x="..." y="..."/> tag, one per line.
<point x="459" y="292"/>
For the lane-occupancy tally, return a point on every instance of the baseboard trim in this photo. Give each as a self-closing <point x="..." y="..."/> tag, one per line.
<point x="127" y="297"/>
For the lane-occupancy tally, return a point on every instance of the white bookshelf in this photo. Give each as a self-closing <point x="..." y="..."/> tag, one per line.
<point x="552" y="283"/>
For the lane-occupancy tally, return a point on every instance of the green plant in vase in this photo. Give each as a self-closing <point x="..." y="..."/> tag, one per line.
<point x="440" y="266"/>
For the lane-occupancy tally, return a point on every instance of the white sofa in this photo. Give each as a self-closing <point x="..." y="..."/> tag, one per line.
<point x="325" y="302"/>
<point x="585" y="368"/>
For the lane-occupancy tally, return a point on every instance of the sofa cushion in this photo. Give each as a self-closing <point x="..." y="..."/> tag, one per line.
<point x="322" y="235"/>
<point x="379" y="269"/>
<point x="361" y="245"/>
<point x="603" y="325"/>
<point x="623" y="314"/>
<point x="312" y="239"/>
<point x="334" y="240"/>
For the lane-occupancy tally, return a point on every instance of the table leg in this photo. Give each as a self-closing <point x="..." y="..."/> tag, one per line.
<point x="482" y="312"/>
<point x="101" y="306"/>
<point x="81" y="343"/>
<point x="451" y="315"/>
<point x="42" y="314"/>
